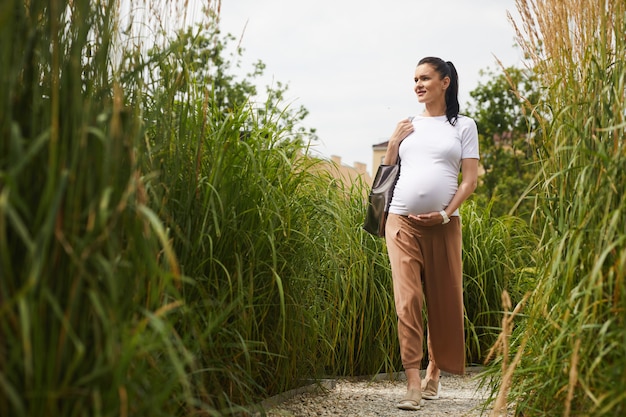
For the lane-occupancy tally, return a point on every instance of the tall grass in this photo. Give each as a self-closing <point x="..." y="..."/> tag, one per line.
<point x="84" y="327"/>
<point x="498" y="255"/>
<point x="236" y="202"/>
<point x="571" y="343"/>
<point x="359" y="319"/>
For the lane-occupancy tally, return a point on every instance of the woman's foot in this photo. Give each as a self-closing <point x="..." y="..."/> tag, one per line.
<point x="431" y="389"/>
<point x="413" y="398"/>
<point x="431" y="386"/>
<point x="412" y="401"/>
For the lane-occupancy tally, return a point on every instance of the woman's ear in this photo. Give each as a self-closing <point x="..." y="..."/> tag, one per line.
<point x="446" y="82"/>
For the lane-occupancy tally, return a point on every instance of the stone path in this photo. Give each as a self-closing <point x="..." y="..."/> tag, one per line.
<point x="461" y="396"/>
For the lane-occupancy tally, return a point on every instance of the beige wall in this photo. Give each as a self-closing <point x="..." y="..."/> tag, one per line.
<point x="345" y="173"/>
<point x="359" y="168"/>
<point x="349" y="173"/>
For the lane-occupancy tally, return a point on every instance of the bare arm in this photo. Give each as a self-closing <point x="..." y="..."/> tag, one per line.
<point x="403" y="129"/>
<point x="469" y="168"/>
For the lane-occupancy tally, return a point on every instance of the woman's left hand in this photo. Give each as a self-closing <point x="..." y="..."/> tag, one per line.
<point x="427" y="219"/>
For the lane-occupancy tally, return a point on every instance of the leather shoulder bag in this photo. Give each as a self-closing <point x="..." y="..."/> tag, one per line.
<point x="380" y="198"/>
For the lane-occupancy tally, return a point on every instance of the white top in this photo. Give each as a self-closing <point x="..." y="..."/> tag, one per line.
<point x="430" y="162"/>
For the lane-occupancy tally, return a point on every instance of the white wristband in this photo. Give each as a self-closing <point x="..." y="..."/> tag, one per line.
<point x="446" y="219"/>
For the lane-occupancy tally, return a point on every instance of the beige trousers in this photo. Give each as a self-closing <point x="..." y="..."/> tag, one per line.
<point x="426" y="268"/>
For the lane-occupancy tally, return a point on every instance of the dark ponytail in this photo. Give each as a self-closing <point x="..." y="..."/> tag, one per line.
<point x="447" y="69"/>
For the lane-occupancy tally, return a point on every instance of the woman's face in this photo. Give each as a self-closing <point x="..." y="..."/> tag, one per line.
<point x="429" y="86"/>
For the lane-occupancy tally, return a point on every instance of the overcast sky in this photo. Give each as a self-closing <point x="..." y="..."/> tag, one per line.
<point x="351" y="62"/>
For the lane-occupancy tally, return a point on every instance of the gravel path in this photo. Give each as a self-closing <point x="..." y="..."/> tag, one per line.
<point x="460" y="397"/>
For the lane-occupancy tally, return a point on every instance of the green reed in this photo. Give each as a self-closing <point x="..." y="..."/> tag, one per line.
<point x="84" y="326"/>
<point x="498" y="255"/>
<point x="571" y="342"/>
<point x="359" y="320"/>
<point x="233" y="200"/>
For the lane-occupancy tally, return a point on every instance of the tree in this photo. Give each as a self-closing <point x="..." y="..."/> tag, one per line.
<point x="505" y="129"/>
<point x="202" y="57"/>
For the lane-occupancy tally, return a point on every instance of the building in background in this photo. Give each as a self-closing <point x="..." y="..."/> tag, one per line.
<point x="378" y="154"/>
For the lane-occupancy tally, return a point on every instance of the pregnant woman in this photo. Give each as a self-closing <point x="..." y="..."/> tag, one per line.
<point x="423" y="231"/>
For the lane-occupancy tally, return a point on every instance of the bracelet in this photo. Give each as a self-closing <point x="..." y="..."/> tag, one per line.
<point x="446" y="219"/>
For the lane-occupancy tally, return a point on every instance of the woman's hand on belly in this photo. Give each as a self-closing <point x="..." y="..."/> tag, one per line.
<point x="427" y="219"/>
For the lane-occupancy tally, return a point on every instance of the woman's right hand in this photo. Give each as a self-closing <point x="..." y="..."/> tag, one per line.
<point x="403" y="129"/>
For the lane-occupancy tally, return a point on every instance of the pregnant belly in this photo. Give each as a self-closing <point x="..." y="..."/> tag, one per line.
<point x="422" y="197"/>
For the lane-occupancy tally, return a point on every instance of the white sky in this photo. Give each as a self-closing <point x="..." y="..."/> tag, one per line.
<point x="351" y="62"/>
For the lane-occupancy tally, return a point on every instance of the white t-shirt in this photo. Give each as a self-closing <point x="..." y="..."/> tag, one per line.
<point x="430" y="162"/>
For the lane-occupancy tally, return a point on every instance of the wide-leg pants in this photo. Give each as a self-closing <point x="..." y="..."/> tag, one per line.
<point x="426" y="268"/>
